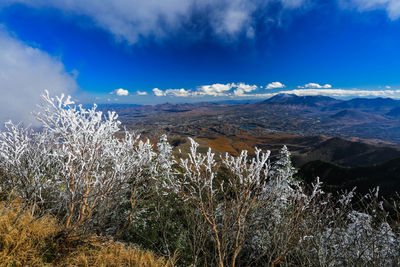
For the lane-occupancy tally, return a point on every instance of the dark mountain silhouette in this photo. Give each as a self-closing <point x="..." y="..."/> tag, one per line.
<point x="347" y="115"/>
<point x="394" y="113"/>
<point x="347" y="153"/>
<point x="306" y="101"/>
<point x="368" y="104"/>
<point x="334" y="177"/>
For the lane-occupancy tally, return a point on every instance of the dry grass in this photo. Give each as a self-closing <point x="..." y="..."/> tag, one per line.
<point x="115" y="254"/>
<point x="23" y="238"/>
<point x="29" y="241"/>
<point x="221" y="143"/>
<point x="240" y="146"/>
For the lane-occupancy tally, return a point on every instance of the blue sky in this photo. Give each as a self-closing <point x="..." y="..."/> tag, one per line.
<point x="146" y="52"/>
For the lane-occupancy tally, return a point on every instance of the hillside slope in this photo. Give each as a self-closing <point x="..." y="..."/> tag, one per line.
<point x="334" y="177"/>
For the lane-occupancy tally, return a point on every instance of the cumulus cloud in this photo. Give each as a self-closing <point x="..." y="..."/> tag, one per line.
<point x="158" y="92"/>
<point x="242" y="89"/>
<point x="392" y="7"/>
<point x="275" y="85"/>
<point x="178" y="92"/>
<point x="25" y="72"/>
<point x="216" y="89"/>
<point x="316" y="86"/>
<point x="131" y="20"/>
<point x="120" y="92"/>
<point x="172" y="92"/>
<point x="138" y="92"/>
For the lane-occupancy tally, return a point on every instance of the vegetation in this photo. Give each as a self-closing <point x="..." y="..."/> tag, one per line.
<point x="26" y="240"/>
<point x="337" y="178"/>
<point x="73" y="189"/>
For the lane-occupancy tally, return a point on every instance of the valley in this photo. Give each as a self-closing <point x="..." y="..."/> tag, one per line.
<point x="345" y="135"/>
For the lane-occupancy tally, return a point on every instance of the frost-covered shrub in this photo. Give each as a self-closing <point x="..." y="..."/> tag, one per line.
<point x="78" y="161"/>
<point x="282" y="217"/>
<point x="360" y="243"/>
<point x="358" y="238"/>
<point x="26" y="159"/>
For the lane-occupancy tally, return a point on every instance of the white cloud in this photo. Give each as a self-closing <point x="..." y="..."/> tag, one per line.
<point x="158" y="92"/>
<point x="275" y="85"/>
<point x="25" y="72"/>
<point x="172" y="92"/>
<point x="316" y="86"/>
<point x="292" y="3"/>
<point x="242" y="88"/>
<point x="245" y="91"/>
<point x="387" y="87"/>
<point x="392" y="7"/>
<point x="216" y="89"/>
<point x="178" y="92"/>
<point x="131" y="20"/>
<point x="120" y="92"/>
<point x="138" y="92"/>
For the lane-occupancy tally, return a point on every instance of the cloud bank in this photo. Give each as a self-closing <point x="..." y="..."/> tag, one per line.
<point x="25" y="72"/>
<point x="217" y="89"/>
<point x="316" y="86"/>
<point x="345" y="92"/>
<point x="243" y="90"/>
<point x="131" y="20"/>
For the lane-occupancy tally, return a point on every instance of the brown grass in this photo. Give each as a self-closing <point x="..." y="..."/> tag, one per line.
<point x="29" y="241"/>
<point x="115" y="254"/>
<point x="221" y="143"/>
<point x="23" y="238"/>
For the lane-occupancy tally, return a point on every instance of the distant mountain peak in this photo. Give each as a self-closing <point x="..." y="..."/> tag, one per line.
<point x="283" y="95"/>
<point x="295" y="100"/>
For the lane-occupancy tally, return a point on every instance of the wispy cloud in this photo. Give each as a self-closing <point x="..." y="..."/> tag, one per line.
<point x="392" y="7"/>
<point x="131" y="20"/>
<point x="316" y="86"/>
<point x="178" y="92"/>
<point x="25" y="72"/>
<point x="120" y="92"/>
<point x="138" y="92"/>
<point x="275" y="85"/>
